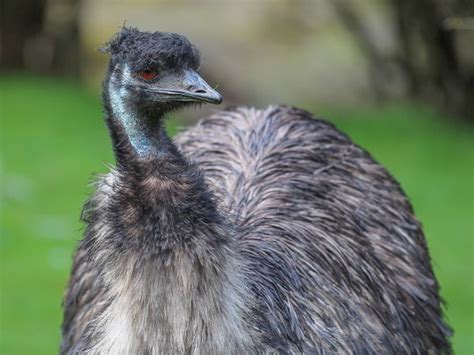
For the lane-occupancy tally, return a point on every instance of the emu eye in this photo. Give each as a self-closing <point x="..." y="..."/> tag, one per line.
<point x="147" y="74"/>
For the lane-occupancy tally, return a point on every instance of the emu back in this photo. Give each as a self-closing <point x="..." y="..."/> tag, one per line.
<point x="336" y="259"/>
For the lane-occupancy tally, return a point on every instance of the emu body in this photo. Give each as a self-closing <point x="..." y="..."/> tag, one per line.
<point x="256" y="231"/>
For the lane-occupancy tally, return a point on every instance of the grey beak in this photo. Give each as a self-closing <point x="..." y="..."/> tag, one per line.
<point x="187" y="86"/>
<point x="197" y="89"/>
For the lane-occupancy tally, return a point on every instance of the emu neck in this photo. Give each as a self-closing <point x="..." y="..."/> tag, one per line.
<point x="136" y="129"/>
<point x="167" y="252"/>
<point x="143" y="129"/>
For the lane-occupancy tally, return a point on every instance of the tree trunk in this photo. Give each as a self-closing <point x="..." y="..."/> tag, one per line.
<point x="40" y="36"/>
<point x="430" y="56"/>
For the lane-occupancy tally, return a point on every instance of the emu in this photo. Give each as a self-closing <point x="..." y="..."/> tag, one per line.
<point x="254" y="232"/>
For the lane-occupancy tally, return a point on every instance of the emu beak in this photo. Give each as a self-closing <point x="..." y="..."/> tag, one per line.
<point x="198" y="89"/>
<point x="189" y="86"/>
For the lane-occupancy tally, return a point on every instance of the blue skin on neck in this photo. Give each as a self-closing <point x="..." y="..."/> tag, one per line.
<point x="143" y="132"/>
<point x="139" y="134"/>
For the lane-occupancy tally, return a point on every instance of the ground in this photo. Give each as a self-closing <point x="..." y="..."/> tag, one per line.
<point x="53" y="139"/>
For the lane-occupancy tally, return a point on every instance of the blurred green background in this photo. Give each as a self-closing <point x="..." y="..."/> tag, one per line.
<point x="344" y="60"/>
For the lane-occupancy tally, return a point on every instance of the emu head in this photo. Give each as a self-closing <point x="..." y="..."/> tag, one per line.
<point x="155" y="72"/>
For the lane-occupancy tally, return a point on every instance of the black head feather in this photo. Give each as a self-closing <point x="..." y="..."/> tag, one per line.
<point x="144" y="49"/>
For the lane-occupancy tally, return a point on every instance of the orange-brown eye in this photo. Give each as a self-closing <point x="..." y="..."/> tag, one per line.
<point x="147" y="74"/>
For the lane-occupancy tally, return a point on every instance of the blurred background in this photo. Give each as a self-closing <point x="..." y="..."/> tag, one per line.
<point x="396" y="75"/>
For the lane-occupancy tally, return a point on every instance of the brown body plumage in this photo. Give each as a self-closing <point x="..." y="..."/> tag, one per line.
<point x="336" y="255"/>
<point x="261" y="231"/>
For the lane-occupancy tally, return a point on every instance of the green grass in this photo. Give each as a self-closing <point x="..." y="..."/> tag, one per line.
<point x="53" y="138"/>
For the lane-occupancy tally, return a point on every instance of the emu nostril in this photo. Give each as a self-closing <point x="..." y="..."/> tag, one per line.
<point x="196" y="89"/>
